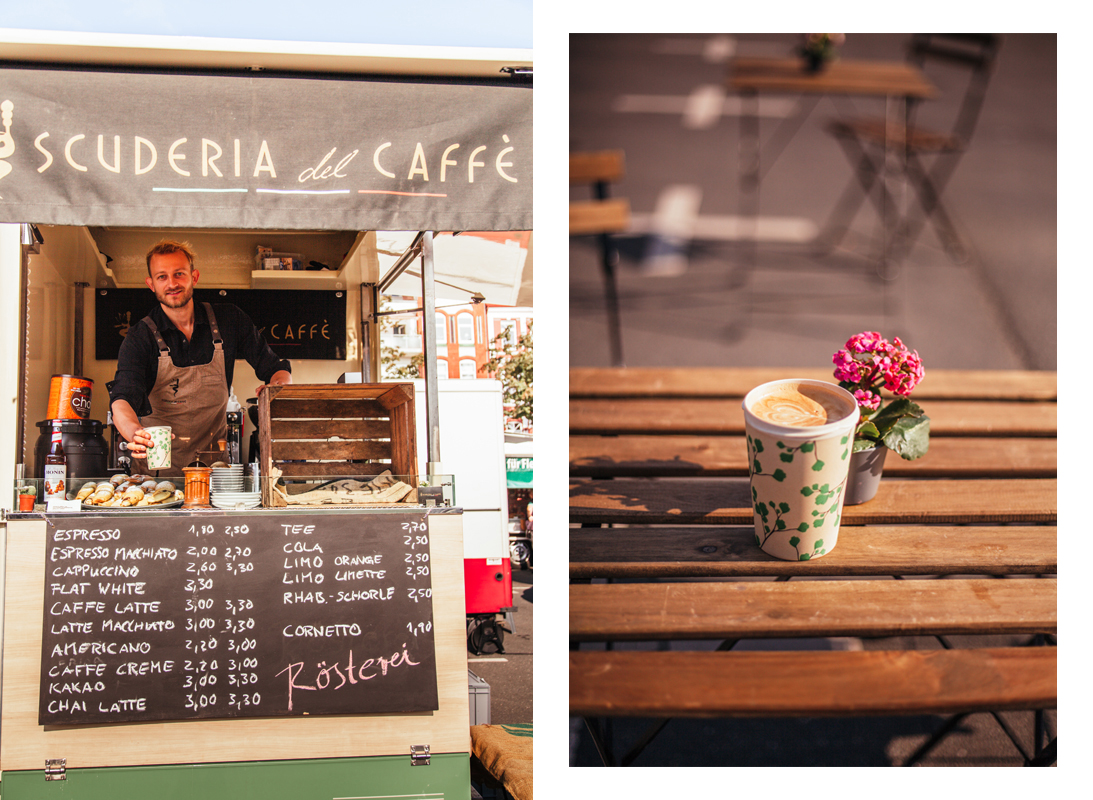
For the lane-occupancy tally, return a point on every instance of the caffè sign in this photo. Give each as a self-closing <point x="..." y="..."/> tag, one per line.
<point x="169" y="150"/>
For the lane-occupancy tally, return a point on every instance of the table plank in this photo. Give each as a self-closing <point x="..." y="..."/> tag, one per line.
<point x="844" y="76"/>
<point x="610" y="416"/>
<point x="598" y="216"/>
<point x="710" y="456"/>
<point x="596" y="166"/>
<point x="761" y="610"/>
<point x="727" y="501"/>
<point x="650" y="553"/>
<point x="677" y="684"/>
<point x="725" y="382"/>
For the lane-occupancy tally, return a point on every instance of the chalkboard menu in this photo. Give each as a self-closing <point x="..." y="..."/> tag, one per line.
<point x="200" y="616"/>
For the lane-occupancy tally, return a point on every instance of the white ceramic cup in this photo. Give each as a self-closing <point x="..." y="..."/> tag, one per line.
<point x="159" y="456"/>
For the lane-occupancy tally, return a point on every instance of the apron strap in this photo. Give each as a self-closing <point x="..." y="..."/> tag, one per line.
<point x="163" y="348"/>
<point x="217" y="341"/>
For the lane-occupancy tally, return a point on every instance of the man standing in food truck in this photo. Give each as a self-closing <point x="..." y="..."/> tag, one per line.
<point x="175" y="367"/>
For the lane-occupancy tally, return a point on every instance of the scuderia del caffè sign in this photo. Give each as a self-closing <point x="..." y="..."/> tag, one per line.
<point x="175" y="150"/>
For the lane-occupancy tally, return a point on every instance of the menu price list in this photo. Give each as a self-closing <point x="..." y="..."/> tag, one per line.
<point x="184" y="618"/>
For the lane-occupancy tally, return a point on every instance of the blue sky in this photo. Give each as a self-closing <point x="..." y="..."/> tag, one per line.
<point x="454" y="23"/>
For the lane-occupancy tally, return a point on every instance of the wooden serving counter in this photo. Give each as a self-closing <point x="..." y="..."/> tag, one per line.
<point x="26" y="745"/>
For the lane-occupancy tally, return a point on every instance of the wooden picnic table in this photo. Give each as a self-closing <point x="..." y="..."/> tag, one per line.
<point x="662" y="549"/>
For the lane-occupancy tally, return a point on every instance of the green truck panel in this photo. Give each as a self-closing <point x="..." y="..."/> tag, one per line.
<point x="446" y="777"/>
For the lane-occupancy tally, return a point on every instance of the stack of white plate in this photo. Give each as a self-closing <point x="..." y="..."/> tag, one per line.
<point x="226" y="479"/>
<point x="230" y="500"/>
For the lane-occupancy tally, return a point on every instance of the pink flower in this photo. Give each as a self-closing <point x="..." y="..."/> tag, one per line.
<point x="870" y="361"/>
<point x="867" y="342"/>
<point x="866" y="399"/>
<point x="846" y="368"/>
<point x="905" y="373"/>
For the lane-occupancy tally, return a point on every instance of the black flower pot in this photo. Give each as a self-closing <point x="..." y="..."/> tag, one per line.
<point x="814" y="62"/>
<point x="866" y="467"/>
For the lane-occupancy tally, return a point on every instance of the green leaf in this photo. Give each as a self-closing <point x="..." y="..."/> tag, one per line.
<point x="803" y="527"/>
<point x="806" y="490"/>
<point x="867" y="430"/>
<point x="808" y="447"/>
<point x="783" y="507"/>
<point x="804" y="557"/>
<point x="817" y="544"/>
<point x="794" y="541"/>
<point x="864" y="444"/>
<point x="892" y="413"/>
<point x="819" y="465"/>
<point x="779" y="475"/>
<point x="910" y="437"/>
<point x="780" y="525"/>
<point x="786" y="457"/>
<point x="758" y="446"/>
<point x="755" y="467"/>
<point x="818" y="523"/>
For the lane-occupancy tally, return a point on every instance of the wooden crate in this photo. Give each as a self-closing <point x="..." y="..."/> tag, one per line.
<point x="337" y="430"/>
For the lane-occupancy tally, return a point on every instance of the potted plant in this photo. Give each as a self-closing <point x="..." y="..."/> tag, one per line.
<point x="27" y="494"/>
<point x="866" y="365"/>
<point x="819" y="48"/>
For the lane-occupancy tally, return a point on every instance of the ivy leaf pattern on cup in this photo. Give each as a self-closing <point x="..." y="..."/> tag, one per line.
<point x="805" y="523"/>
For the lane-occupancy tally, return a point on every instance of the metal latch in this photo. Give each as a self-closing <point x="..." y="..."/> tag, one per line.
<point x="55" y="769"/>
<point x="419" y="755"/>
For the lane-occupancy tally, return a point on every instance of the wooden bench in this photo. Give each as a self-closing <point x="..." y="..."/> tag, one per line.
<point x="602" y="217"/>
<point x="659" y="498"/>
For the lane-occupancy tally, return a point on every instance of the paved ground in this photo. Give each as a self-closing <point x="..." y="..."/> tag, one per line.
<point x="509" y="674"/>
<point x="656" y="97"/>
<point x="997" y="311"/>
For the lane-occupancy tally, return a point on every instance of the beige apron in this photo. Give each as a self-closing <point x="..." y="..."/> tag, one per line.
<point x="192" y="400"/>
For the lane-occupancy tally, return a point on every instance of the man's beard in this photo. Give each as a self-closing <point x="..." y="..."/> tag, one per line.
<point x="175" y="301"/>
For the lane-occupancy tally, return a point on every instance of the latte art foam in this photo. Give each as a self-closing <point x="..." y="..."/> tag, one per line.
<point x="799" y="407"/>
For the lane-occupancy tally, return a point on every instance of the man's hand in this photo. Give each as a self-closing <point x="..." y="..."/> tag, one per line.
<point x="138" y="440"/>
<point x="279" y="378"/>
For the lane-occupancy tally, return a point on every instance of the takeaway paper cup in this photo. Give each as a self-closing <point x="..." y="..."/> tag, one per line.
<point x="159" y="457"/>
<point x="800" y="435"/>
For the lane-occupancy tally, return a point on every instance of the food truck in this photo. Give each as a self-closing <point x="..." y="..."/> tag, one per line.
<point x="291" y="629"/>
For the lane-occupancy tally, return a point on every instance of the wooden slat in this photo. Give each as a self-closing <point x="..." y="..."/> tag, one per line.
<point x="605" y="416"/>
<point x="599" y="216"/>
<point x="327" y="408"/>
<point x="332" y="469"/>
<point x="709" y="456"/>
<point x="727" y="501"/>
<point x="677" y="684"/>
<point x="332" y="451"/>
<point x="725" y="382"/>
<point x="599" y="165"/>
<point x="313" y="391"/>
<point x="844" y="76"/>
<point x="750" y="610"/>
<point x="651" y="553"/>
<point x="324" y="429"/>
